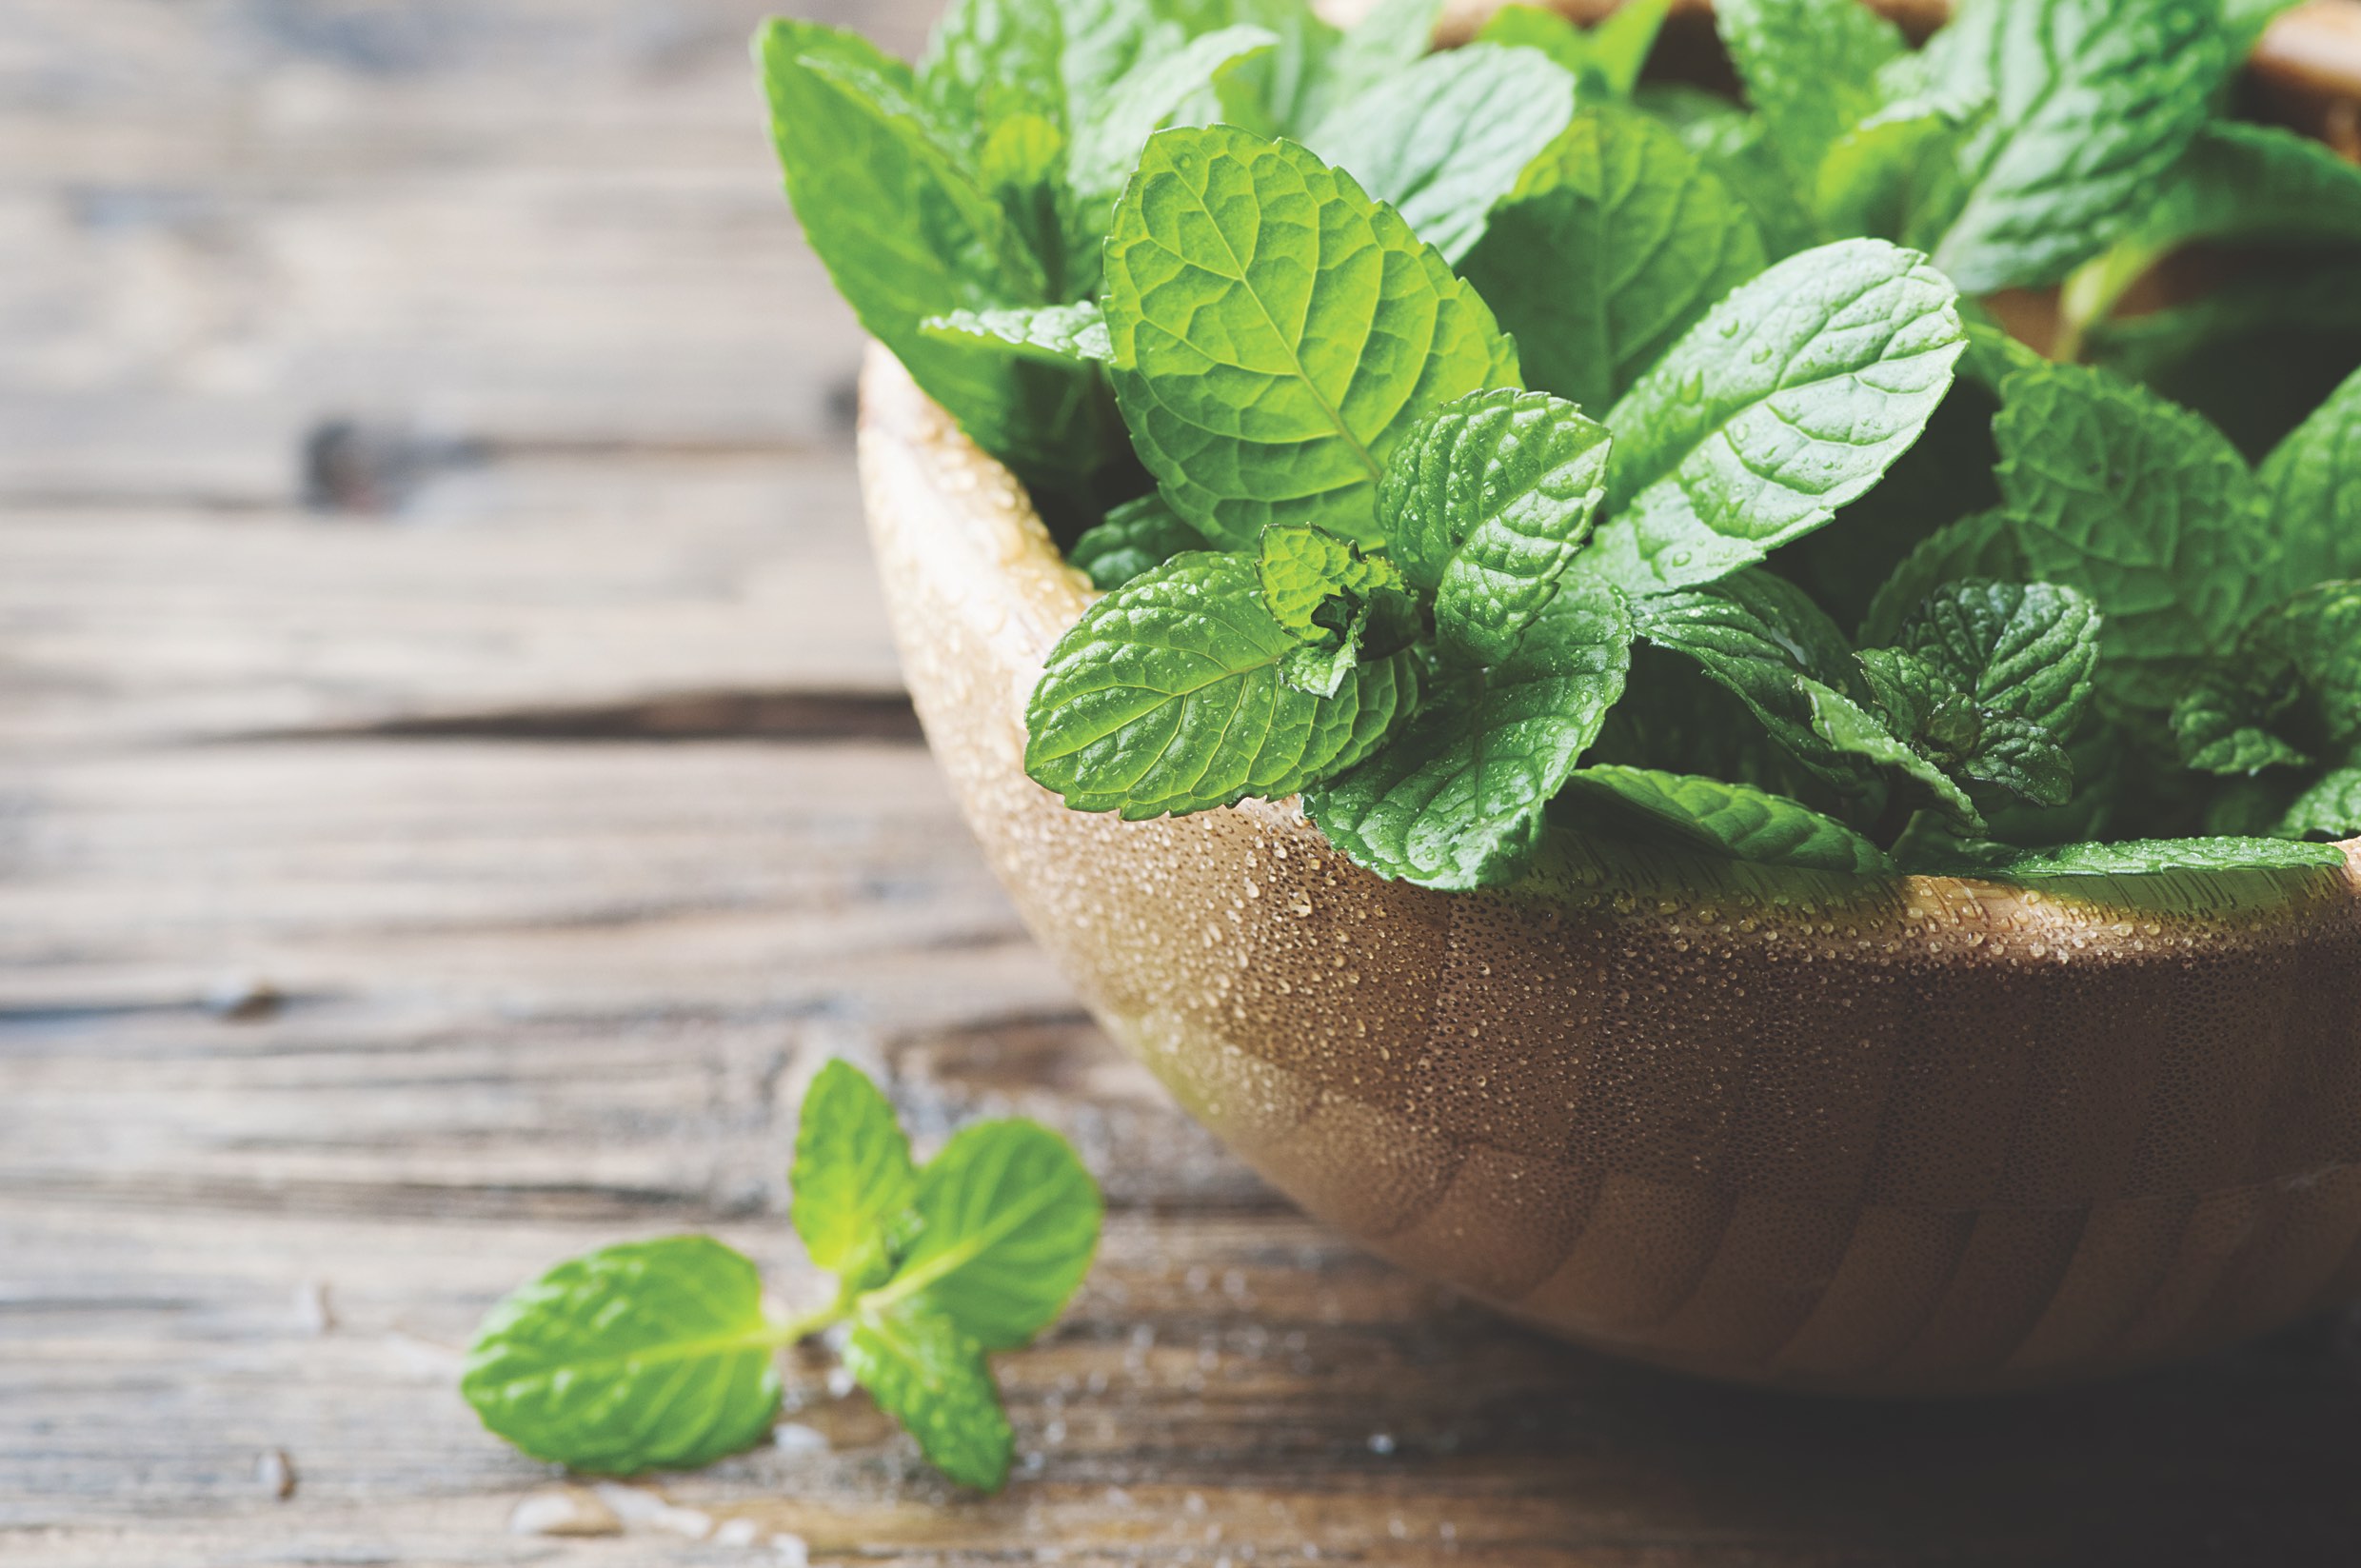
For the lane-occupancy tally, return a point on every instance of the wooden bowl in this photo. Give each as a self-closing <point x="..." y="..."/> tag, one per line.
<point x="1899" y="1135"/>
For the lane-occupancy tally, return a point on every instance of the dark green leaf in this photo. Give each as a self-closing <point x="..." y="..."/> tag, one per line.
<point x="1008" y="1222"/>
<point x="2247" y="183"/>
<point x="2329" y="809"/>
<point x="1872" y="734"/>
<point x="2313" y="484"/>
<point x="1737" y="146"/>
<point x="852" y="1173"/>
<point x="1733" y="820"/>
<point x="2025" y="650"/>
<point x="1980" y="544"/>
<point x="1136" y="538"/>
<point x="927" y="1375"/>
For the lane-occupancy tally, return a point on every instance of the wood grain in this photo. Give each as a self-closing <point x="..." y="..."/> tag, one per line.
<point x="391" y="723"/>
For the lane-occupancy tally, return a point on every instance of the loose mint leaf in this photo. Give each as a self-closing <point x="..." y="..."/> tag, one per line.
<point x="1754" y="634"/>
<point x="1788" y="400"/>
<point x="2091" y="103"/>
<point x="1167" y="697"/>
<point x="1278" y="333"/>
<point x="1810" y="68"/>
<point x="1485" y="504"/>
<point x="651" y="1355"/>
<point x="1204" y="75"/>
<point x="1008" y="1222"/>
<point x="1851" y="727"/>
<point x="1612" y="243"/>
<point x="2142" y="857"/>
<point x="2313" y="479"/>
<point x="1136" y="538"/>
<point x="2023" y="650"/>
<point x="1456" y="799"/>
<point x="1442" y="142"/>
<point x="852" y="1173"/>
<point x="1056" y="333"/>
<point x="1303" y="571"/>
<point x="2329" y="809"/>
<point x="931" y="1378"/>
<point x="1980" y="544"/>
<point x="1736" y="820"/>
<point x="2142" y="506"/>
<point x="994" y="60"/>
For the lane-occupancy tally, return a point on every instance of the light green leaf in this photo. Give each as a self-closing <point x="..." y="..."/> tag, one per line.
<point x="2023" y="650"/>
<point x="1887" y="174"/>
<point x="931" y="1378"/>
<point x="1167" y="697"/>
<point x="1851" y="727"/>
<point x="1022" y="168"/>
<point x="1621" y="43"/>
<point x="1538" y="27"/>
<point x="1278" y="333"/>
<point x="1457" y="800"/>
<point x="852" y="1173"/>
<point x="1810" y="68"/>
<point x="1008" y="1222"/>
<point x="1980" y="544"/>
<point x="1136" y="538"/>
<point x="1609" y="57"/>
<point x="1734" y="819"/>
<point x="1485" y="506"/>
<point x="1303" y="571"/>
<point x="1377" y="626"/>
<point x="2143" y="857"/>
<point x="1442" y="142"/>
<point x="2142" y="506"/>
<point x="990" y="61"/>
<point x="1105" y="39"/>
<point x="1291" y="91"/>
<point x="2313" y="481"/>
<point x="2329" y="809"/>
<point x="1788" y="400"/>
<point x="1391" y="37"/>
<point x="1614" y="243"/>
<point x="1061" y="334"/>
<point x="651" y="1355"/>
<point x="1161" y="89"/>
<point x="2091" y="103"/>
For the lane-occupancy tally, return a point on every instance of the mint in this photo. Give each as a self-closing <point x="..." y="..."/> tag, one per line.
<point x="1811" y="69"/>
<point x="1737" y="146"/>
<point x="1276" y="334"/>
<point x="1607" y="59"/>
<point x="2329" y="809"/>
<point x="1390" y="39"/>
<point x="1485" y="506"/>
<point x="1303" y="571"/>
<point x="1456" y="799"/>
<point x="1611" y="245"/>
<point x="1137" y="537"/>
<point x="1205" y="74"/>
<point x="2291" y="692"/>
<point x="1442" y="142"/>
<point x="993" y="61"/>
<point x="1980" y="544"/>
<point x="1788" y="400"/>
<point x="1912" y="705"/>
<point x="2023" y="650"/>
<point x="2152" y="857"/>
<point x="1734" y="819"/>
<point x="661" y="1355"/>
<point x="2313" y="481"/>
<point x="1167" y="695"/>
<point x="1059" y="334"/>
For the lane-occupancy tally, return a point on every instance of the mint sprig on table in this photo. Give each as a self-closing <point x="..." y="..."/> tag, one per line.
<point x="663" y="1354"/>
<point x="1497" y="442"/>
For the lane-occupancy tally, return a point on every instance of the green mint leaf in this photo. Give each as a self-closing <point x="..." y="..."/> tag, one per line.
<point x="1278" y="333"/>
<point x="1851" y="727"/>
<point x="1485" y="506"/>
<point x="1753" y="635"/>
<point x="2146" y="856"/>
<point x="2313" y="479"/>
<point x="1008" y="1222"/>
<point x="1980" y="544"/>
<point x="1553" y="36"/>
<point x="1064" y="334"/>
<point x="1737" y="146"/>
<point x="930" y="1377"/>
<point x="1456" y="799"/>
<point x="1971" y="742"/>
<point x="1888" y="174"/>
<point x="1304" y="570"/>
<point x="1199" y="78"/>
<point x="1621" y="43"/>
<point x="2140" y="505"/>
<point x="1788" y="400"/>
<point x="2250" y="183"/>
<point x="1391" y="38"/>
<point x="990" y="61"/>
<point x="1730" y="819"/>
<point x="1103" y="40"/>
<point x="1022" y="168"/>
<point x="1137" y="537"/>
<point x="1382" y="624"/>
<point x="852" y="1173"/>
<point x="1810" y="68"/>
<point x="651" y="1355"/>
<point x="1612" y="243"/>
<point x="2329" y="809"/>
<point x="2023" y="650"/>
<point x="1442" y="142"/>
<point x="1167" y="697"/>
<point x="2092" y="104"/>
<point x="1608" y="58"/>
<point x="2223" y="725"/>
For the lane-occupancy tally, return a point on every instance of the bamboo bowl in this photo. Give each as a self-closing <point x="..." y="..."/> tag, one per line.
<point x="1890" y="1136"/>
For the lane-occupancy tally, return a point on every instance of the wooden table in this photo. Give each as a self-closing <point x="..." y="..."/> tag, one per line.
<point x="455" y="791"/>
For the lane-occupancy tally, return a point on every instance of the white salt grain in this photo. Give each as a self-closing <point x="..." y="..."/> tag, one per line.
<point x="562" y="1511"/>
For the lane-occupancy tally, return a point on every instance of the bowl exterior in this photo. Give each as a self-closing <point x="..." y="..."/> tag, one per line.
<point x="1862" y="1136"/>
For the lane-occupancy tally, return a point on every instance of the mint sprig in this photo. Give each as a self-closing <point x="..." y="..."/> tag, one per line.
<point x="661" y="1354"/>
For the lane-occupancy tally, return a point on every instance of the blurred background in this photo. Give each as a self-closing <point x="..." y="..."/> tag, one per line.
<point x="455" y="788"/>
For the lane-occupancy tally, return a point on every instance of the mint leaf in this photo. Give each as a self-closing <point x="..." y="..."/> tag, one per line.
<point x="2091" y="103"/>
<point x="1971" y="741"/>
<point x="1059" y="334"/>
<point x="2291" y="692"/>
<point x="1485" y="504"/>
<point x="575" y="1367"/>
<point x="1851" y="726"/>
<point x="2312" y="481"/>
<point x="2146" y="856"/>
<point x="1612" y="243"/>
<point x="1442" y="142"/>
<point x="1136" y="538"/>
<point x="1788" y="400"/>
<point x="1303" y="571"/>
<point x="1103" y="40"/>
<point x="1537" y="28"/>
<point x="930" y="1377"/>
<point x="1456" y="799"/>
<point x="1737" y="146"/>
<point x="2023" y="650"/>
<point x="1887" y="174"/>
<point x="1276" y="334"/>
<point x="1008" y="1220"/>
<point x="2223" y="725"/>
<point x="2329" y="809"/>
<point x="2142" y="506"/>
<point x="1202" y="76"/>
<point x="1620" y="43"/>
<point x="1728" y="819"/>
<point x="1980" y="544"/>
<point x="1810" y="68"/>
<point x="1389" y="39"/>
<point x="2250" y="183"/>
<point x="852" y="1173"/>
<point x="1167" y="697"/>
<point x="990" y="61"/>
<point x="1608" y="58"/>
